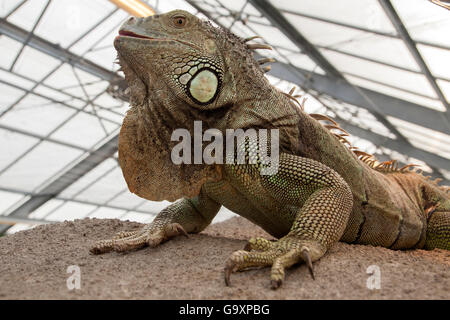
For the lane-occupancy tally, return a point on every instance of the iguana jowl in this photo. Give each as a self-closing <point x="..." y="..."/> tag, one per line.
<point x="180" y="69"/>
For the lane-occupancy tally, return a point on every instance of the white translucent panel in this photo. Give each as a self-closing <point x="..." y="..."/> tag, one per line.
<point x="8" y="96"/>
<point x="424" y="20"/>
<point x="35" y="64"/>
<point x="13" y="145"/>
<point x="16" y="80"/>
<point x="251" y="10"/>
<point x="235" y="5"/>
<point x="57" y="95"/>
<point x="169" y="5"/>
<point x="9" y="49"/>
<point x="445" y="173"/>
<point x="92" y="89"/>
<point x="104" y="57"/>
<point x="138" y="217"/>
<point x="424" y="138"/>
<point x="19" y="227"/>
<point x="420" y="100"/>
<point x="26" y="16"/>
<point x="65" y="21"/>
<point x="107" y="213"/>
<point x="445" y="88"/>
<point x="380" y="48"/>
<point x="365" y="44"/>
<point x="83" y="130"/>
<point x="90" y="40"/>
<point x="311" y="105"/>
<point x="71" y="211"/>
<point x="92" y="84"/>
<point x="126" y="200"/>
<point x="437" y="60"/>
<point x="242" y="31"/>
<point x="223" y="214"/>
<point x="37" y="166"/>
<point x="62" y="78"/>
<point x="44" y="210"/>
<point x="391" y="76"/>
<point x="361" y="13"/>
<point x="273" y="36"/>
<point x="36" y="115"/>
<point x="6" y="6"/>
<point x="65" y="79"/>
<point x="89" y="178"/>
<point x="301" y="61"/>
<point x="322" y="33"/>
<point x="360" y="117"/>
<point x="105" y="100"/>
<point x="7" y="199"/>
<point x="112" y="116"/>
<point x="154" y="206"/>
<point x="105" y="188"/>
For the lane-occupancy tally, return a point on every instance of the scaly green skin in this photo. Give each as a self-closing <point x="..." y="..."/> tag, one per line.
<point x="322" y="192"/>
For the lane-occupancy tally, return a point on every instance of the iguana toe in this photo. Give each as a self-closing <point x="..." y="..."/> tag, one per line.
<point x="131" y="240"/>
<point x="279" y="254"/>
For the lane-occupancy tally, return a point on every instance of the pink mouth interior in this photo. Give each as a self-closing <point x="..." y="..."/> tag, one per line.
<point x="132" y="34"/>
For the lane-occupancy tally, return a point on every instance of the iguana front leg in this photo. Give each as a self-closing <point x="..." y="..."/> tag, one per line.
<point x="318" y="225"/>
<point x="181" y="217"/>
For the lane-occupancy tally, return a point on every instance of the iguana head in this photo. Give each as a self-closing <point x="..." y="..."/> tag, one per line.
<point x="196" y="61"/>
<point x="179" y="69"/>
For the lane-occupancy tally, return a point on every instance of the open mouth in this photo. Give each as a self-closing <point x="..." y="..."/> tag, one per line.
<point x="133" y="35"/>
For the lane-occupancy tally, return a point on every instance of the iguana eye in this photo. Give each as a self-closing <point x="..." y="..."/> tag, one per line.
<point x="179" y="21"/>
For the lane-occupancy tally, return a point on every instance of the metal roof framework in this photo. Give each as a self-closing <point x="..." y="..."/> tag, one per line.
<point x="86" y="181"/>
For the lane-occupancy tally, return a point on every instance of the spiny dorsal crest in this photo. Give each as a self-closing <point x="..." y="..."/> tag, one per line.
<point x="255" y="46"/>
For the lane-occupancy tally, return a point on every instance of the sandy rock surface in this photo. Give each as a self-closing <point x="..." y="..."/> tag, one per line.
<point x="34" y="263"/>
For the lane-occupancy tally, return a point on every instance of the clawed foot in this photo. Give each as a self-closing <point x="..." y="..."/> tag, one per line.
<point x="279" y="254"/>
<point x="130" y="240"/>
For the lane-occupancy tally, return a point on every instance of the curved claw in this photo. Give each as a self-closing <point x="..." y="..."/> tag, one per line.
<point x="181" y="230"/>
<point x="275" y="284"/>
<point x="307" y="258"/>
<point x="227" y="273"/>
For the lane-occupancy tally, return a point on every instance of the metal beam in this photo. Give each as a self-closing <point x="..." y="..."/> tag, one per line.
<point x="55" y="51"/>
<point x="10" y="221"/>
<point x="279" y="21"/>
<point x="401" y="30"/>
<point x="360" y="28"/>
<point x="107" y="150"/>
<point x="343" y="91"/>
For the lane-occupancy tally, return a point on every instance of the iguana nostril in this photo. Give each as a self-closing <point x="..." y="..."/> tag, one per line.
<point x="131" y="20"/>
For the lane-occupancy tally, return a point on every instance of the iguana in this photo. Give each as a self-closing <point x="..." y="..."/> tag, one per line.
<point x="180" y="68"/>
